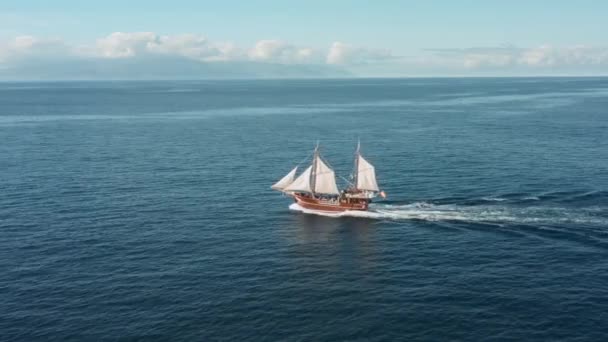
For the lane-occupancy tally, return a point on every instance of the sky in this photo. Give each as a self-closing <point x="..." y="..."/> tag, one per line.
<point x="165" y="39"/>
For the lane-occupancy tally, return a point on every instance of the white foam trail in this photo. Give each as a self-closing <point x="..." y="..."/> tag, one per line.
<point x="348" y="213"/>
<point x="482" y="213"/>
<point x="494" y="199"/>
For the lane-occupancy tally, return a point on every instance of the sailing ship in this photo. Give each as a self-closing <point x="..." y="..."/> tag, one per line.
<point x="316" y="189"/>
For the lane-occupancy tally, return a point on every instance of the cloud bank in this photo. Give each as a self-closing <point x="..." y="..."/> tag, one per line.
<point x="544" y="56"/>
<point x="128" y="54"/>
<point x="147" y="55"/>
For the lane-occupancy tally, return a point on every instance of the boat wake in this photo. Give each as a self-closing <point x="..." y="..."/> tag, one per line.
<point x="497" y="213"/>
<point x="349" y="213"/>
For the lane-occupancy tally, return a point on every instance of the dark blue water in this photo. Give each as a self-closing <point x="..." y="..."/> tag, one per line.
<point x="143" y="211"/>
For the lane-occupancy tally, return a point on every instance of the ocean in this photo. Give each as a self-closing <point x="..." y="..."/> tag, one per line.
<point x="143" y="211"/>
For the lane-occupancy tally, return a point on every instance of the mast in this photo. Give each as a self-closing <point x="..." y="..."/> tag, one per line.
<point x="313" y="174"/>
<point x="356" y="171"/>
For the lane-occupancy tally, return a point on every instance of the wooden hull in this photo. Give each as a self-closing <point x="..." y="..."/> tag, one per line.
<point x="336" y="205"/>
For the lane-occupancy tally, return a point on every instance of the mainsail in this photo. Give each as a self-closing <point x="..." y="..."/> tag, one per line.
<point x="317" y="178"/>
<point x="366" y="175"/>
<point x="285" y="181"/>
<point x="325" y="179"/>
<point x="302" y="183"/>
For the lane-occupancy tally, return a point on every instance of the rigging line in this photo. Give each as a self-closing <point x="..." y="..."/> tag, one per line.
<point x="303" y="160"/>
<point x="346" y="180"/>
<point x="326" y="162"/>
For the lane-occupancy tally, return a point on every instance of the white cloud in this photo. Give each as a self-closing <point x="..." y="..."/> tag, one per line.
<point x="547" y="56"/>
<point x="341" y="53"/>
<point x="26" y="46"/>
<point x="282" y="52"/>
<point x="541" y="57"/>
<point x="192" y="46"/>
<point x="338" y="53"/>
<point x="122" y="45"/>
<point x="196" y="48"/>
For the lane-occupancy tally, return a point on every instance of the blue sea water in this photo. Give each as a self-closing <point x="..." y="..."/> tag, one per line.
<point x="142" y="211"/>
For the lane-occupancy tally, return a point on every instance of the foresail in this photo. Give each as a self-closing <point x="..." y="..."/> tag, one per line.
<point x="302" y="183"/>
<point x="285" y="181"/>
<point x="366" y="177"/>
<point x="325" y="180"/>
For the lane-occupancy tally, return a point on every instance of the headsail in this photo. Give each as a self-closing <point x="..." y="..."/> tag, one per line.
<point x="285" y="181"/>
<point x="325" y="179"/>
<point x="366" y="175"/>
<point x="302" y="183"/>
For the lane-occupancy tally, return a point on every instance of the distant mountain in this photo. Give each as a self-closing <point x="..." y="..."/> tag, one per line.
<point x="154" y="68"/>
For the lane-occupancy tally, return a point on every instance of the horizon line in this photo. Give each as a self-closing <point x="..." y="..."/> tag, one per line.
<point x="292" y="78"/>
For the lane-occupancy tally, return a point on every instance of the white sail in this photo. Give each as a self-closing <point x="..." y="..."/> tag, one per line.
<point x="325" y="180"/>
<point x="302" y="183"/>
<point x="285" y="181"/>
<point x="366" y="176"/>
